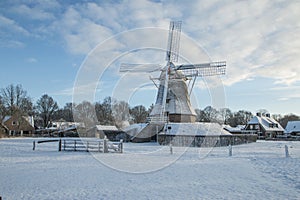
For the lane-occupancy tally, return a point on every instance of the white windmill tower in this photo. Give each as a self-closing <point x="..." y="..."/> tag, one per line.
<point x="173" y="97"/>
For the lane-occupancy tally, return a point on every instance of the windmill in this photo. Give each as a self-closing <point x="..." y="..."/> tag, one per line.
<point x="173" y="96"/>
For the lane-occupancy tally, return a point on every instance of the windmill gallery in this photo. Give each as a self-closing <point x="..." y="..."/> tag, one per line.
<point x="173" y="119"/>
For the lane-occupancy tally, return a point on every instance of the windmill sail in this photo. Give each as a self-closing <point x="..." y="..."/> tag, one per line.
<point x="173" y="41"/>
<point x="205" y="69"/>
<point x="128" y="67"/>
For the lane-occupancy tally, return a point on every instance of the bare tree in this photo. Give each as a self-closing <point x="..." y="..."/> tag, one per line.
<point x="85" y="112"/>
<point x="3" y="110"/>
<point x="242" y="117"/>
<point x="226" y="115"/>
<point x="139" y="114"/>
<point x="209" y="114"/>
<point x="120" y="112"/>
<point x="104" y="111"/>
<point x="15" y="99"/>
<point x="46" y="107"/>
<point x="65" y="113"/>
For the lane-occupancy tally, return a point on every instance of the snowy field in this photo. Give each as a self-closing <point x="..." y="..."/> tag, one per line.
<point x="148" y="171"/>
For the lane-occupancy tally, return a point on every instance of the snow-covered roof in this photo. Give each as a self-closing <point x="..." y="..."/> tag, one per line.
<point x="268" y="123"/>
<point x="231" y="129"/>
<point x="106" y="128"/>
<point x="65" y="125"/>
<point x="6" y="118"/>
<point x="292" y="126"/>
<point x="29" y="119"/>
<point x="136" y="127"/>
<point x="195" y="129"/>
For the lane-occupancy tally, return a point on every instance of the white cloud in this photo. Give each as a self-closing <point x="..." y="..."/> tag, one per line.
<point x="34" y="12"/>
<point x="10" y="30"/>
<point x="9" y="25"/>
<point x="8" y="43"/>
<point x="80" y="33"/>
<point x="31" y="60"/>
<point x="256" y="38"/>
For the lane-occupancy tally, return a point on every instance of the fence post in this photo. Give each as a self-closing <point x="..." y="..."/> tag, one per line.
<point x="99" y="144"/>
<point x="121" y="146"/>
<point x="33" y="148"/>
<point x="64" y="145"/>
<point x="230" y="150"/>
<point x="287" y="155"/>
<point x="74" y="145"/>
<point x="105" y="145"/>
<point x="59" y="145"/>
<point x="171" y="148"/>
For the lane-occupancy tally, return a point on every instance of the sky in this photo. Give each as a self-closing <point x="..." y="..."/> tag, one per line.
<point x="72" y="50"/>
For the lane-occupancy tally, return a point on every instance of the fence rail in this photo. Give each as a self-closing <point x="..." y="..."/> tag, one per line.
<point x="88" y="145"/>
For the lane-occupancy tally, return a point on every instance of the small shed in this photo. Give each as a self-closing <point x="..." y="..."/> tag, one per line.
<point x="111" y="132"/>
<point x="293" y="128"/>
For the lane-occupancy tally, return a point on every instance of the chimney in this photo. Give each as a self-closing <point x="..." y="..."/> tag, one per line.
<point x="258" y="114"/>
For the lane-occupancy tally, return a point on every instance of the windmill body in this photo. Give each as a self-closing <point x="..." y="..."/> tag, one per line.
<point x="177" y="106"/>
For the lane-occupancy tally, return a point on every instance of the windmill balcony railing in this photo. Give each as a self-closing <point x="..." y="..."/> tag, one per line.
<point x="157" y="119"/>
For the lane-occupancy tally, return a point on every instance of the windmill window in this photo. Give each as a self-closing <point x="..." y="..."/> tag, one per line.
<point x="168" y="100"/>
<point x="14" y="123"/>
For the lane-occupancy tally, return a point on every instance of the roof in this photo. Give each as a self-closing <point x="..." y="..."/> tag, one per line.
<point x="268" y="123"/>
<point x="106" y="128"/>
<point x="136" y="127"/>
<point x="29" y="119"/>
<point x="198" y="128"/>
<point x="236" y="129"/>
<point x="6" y="118"/>
<point x="292" y="126"/>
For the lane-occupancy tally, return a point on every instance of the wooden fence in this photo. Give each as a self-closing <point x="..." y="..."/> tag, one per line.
<point x="88" y="145"/>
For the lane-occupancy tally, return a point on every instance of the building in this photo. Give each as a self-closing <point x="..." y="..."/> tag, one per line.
<point x="16" y="125"/>
<point x="263" y="126"/>
<point x="201" y="134"/>
<point x="234" y="130"/>
<point x="293" y="128"/>
<point x="111" y="132"/>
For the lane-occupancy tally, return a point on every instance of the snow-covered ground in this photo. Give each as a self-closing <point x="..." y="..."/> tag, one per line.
<point x="148" y="171"/>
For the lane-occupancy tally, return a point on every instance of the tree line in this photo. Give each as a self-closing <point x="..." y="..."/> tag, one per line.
<point x="15" y="100"/>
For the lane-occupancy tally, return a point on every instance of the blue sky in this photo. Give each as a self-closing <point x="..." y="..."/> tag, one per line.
<point x="48" y="46"/>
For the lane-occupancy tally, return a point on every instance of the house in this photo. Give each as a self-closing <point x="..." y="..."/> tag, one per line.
<point x="263" y="126"/>
<point x="293" y="128"/>
<point x="17" y="125"/>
